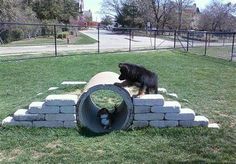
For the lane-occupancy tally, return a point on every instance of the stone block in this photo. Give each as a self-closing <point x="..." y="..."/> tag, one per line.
<point x="24" y="115"/>
<point x="61" y="100"/>
<point x="149" y="116"/>
<point x="173" y="95"/>
<point x="162" y="90"/>
<point x="9" y="121"/>
<point x="52" y="88"/>
<point x="185" y="114"/>
<point x="198" y="121"/>
<point x="214" y="126"/>
<point x="60" y="117"/>
<point x="70" y="124"/>
<point x="68" y="109"/>
<point x="163" y="124"/>
<point x="41" y="107"/>
<point x="48" y="124"/>
<point x="168" y="107"/>
<point x="142" y="109"/>
<point x="149" y="100"/>
<point x="140" y="124"/>
<point x="73" y="83"/>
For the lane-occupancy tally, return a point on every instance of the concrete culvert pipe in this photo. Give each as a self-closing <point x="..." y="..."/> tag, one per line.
<point x="86" y="112"/>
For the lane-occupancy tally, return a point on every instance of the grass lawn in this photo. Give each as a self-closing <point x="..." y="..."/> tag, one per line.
<point x="223" y="52"/>
<point x="208" y="84"/>
<point x="81" y="39"/>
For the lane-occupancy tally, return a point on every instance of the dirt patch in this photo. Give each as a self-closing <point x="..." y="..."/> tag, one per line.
<point x="37" y="155"/>
<point x="2" y="157"/>
<point x="76" y="92"/>
<point x="13" y="154"/>
<point x="100" y="152"/>
<point x="223" y="114"/>
<point x="54" y="144"/>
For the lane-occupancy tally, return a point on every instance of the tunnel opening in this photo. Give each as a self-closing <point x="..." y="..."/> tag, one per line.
<point x="105" y="96"/>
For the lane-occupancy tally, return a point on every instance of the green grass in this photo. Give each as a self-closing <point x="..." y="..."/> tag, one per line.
<point x="84" y="39"/>
<point x="106" y="99"/>
<point x="207" y="83"/>
<point x="35" y="42"/>
<point x="81" y="39"/>
<point x="223" y="52"/>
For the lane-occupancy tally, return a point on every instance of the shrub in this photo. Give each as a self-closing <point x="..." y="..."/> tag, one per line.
<point x="17" y="34"/>
<point x="12" y="35"/>
<point x="62" y="35"/>
<point x="59" y="36"/>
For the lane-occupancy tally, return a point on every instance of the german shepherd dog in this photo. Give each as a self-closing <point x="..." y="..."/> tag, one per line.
<point x="135" y="75"/>
<point x="107" y="117"/>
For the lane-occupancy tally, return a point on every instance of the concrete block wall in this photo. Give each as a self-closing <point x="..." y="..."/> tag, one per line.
<point x="152" y="110"/>
<point x="149" y="110"/>
<point x="55" y="111"/>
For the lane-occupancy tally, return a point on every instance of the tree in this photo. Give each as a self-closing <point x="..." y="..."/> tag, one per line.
<point x="161" y="10"/>
<point x="60" y="10"/>
<point x="16" y="11"/>
<point x="129" y="16"/>
<point x="112" y="7"/>
<point x="181" y="5"/>
<point x="171" y="14"/>
<point x="145" y="10"/>
<point x="107" y="20"/>
<point x="125" y="12"/>
<point x="218" y="17"/>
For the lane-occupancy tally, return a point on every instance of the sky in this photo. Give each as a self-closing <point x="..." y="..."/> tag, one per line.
<point x="95" y="6"/>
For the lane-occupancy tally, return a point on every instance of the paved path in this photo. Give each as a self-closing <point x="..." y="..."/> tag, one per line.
<point x="110" y="40"/>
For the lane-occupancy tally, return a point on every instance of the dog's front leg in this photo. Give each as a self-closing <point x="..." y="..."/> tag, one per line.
<point x="123" y="84"/>
<point x="142" y="91"/>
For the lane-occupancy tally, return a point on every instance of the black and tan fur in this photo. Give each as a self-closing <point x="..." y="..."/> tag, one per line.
<point x="135" y="75"/>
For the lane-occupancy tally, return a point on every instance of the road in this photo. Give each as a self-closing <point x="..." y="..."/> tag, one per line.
<point x="110" y="40"/>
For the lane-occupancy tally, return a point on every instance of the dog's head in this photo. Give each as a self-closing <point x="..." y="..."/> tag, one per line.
<point x="124" y="70"/>
<point x="104" y="117"/>
<point x="102" y="111"/>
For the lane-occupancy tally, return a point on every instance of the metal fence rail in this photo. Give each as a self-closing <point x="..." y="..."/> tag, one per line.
<point x="27" y="40"/>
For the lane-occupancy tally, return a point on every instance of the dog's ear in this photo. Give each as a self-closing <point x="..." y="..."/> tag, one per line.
<point x="120" y="65"/>
<point x="124" y="67"/>
<point x="98" y="113"/>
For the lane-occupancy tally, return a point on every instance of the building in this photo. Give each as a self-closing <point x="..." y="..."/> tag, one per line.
<point x="85" y="17"/>
<point x="191" y="17"/>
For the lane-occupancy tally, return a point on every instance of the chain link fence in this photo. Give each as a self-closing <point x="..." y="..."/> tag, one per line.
<point x="23" y="41"/>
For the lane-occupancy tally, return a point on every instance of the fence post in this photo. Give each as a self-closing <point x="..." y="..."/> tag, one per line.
<point x="193" y="35"/>
<point x="155" y="37"/>
<point x="175" y="39"/>
<point x="205" y="45"/>
<point x="232" y="53"/>
<point x="55" y="38"/>
<point x="209" y="40"/>
<point x="98" y="38"/>
<point x="187" y="40"/>
<point x="130" y="37"/>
